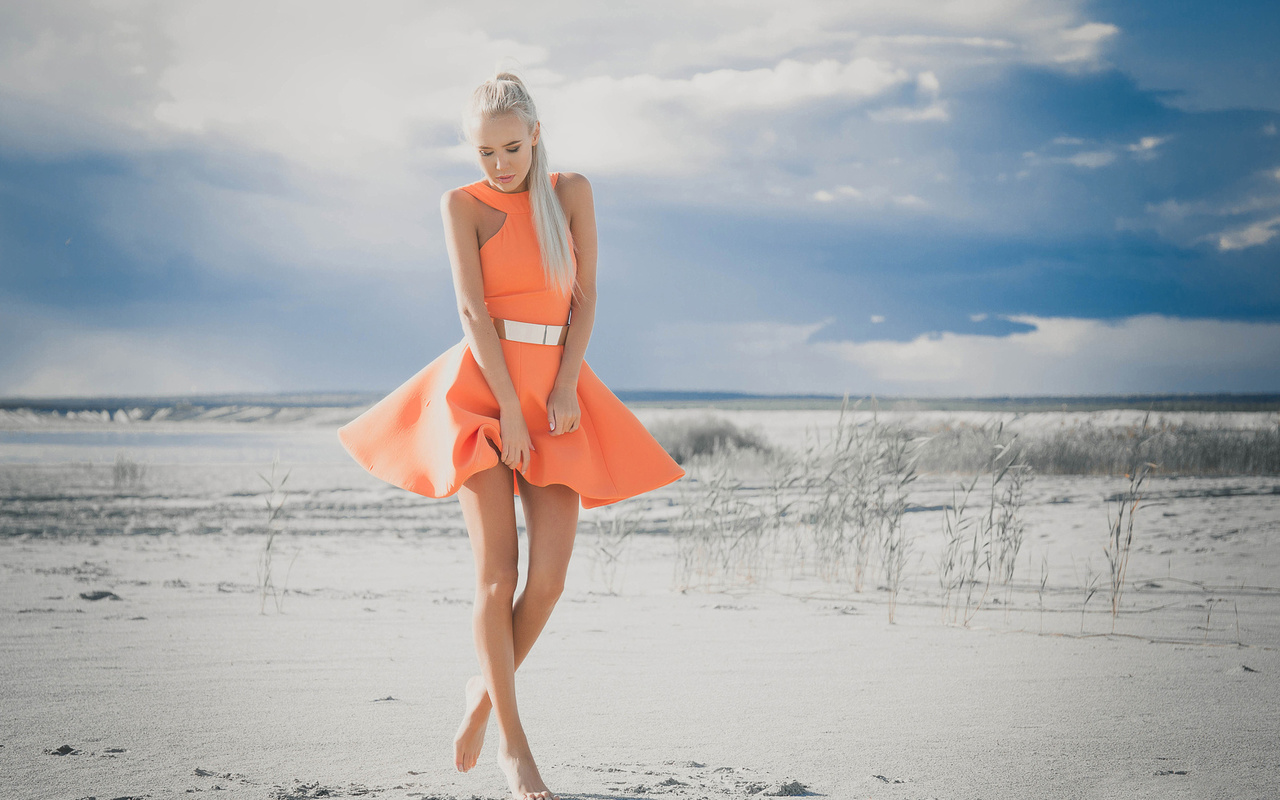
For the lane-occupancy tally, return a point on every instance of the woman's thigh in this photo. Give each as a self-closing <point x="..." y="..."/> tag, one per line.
<point x="488" y="508"/>
<point x="551" y="520"/>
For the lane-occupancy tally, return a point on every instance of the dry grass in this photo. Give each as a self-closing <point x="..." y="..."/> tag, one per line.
<point x="1179" y="449"/>
<point x="612" y="533"/>
<point x="275" y="500"/>
<point x="720" y="532"/>
<point x="127" y="474"/>
<point x="749" y="508"/>
<point x="834" y="509"/>
<point x="981" y="544"/>
<point x="1121" y="511"/>
<point x="705" y="436"/>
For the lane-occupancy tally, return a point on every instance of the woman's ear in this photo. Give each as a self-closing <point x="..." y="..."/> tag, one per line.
<point x="537" y="128"/>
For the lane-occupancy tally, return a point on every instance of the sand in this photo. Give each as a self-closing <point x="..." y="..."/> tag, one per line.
<point x="176" y="684"/>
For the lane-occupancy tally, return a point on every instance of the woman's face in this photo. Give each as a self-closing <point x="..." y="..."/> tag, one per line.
<point x="505" y="151"/>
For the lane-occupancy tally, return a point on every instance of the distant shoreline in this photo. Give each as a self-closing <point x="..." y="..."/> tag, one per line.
<point x="684" y="399"/>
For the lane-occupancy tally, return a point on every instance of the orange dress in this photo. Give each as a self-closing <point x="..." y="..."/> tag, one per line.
<point x="428" y="436"/>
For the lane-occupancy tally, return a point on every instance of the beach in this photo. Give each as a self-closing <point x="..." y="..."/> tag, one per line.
<point x="347" y="680"/>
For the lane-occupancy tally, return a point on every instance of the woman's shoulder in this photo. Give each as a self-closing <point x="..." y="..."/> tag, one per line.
<point x="573" y="181"/>
<point x="573" y="189"/>
<point x="457" y="199"/>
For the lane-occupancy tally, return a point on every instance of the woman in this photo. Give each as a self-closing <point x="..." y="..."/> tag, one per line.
<point x="513" y="408"/>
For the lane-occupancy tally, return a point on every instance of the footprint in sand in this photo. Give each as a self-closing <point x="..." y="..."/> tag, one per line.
<point x="690" y="779"/>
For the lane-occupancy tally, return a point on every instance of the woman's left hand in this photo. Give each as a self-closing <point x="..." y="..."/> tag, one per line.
<point x="562" y="410"/>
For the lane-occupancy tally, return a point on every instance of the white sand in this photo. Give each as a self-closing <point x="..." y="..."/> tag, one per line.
<point x="651" y="692"/>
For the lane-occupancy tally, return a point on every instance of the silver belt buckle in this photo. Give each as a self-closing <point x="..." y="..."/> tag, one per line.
<point x="532" y="332"/>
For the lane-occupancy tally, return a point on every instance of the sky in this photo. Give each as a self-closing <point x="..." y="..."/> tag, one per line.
<point x="964" y="198"/>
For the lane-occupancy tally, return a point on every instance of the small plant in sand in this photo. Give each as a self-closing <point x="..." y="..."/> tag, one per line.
<point x="958" y="565"/>
<point x="896" y="471"/>
<point x="612" y="533"/>
<point x="720" y="534"/>
<point x="981" y="546"/>
<point x="1089" y="586"/>
<point x="784" y="478"/>
<point x="841" y="480"/>
<point x="1044" y="579"/>
<point x="853" y="494"/>
<point x="1123" y="507"/>
<point x="275" y="499"/>
<point x="1120" y="516"/>
<point x="126" y="473"/>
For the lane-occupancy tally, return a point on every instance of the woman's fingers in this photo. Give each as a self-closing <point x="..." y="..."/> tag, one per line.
<point x="563" y="422"/>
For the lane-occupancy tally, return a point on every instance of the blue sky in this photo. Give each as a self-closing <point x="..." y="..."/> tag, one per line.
<point x="912" y="198"/>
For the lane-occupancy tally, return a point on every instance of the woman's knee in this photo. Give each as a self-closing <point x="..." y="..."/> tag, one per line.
<point x="544" y="587"/>
<point x="498" y="584"/>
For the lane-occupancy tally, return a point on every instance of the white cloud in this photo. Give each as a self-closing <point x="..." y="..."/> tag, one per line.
<point x="1147" y="143"/>
<point x="1145" y="148"/>
<point x="333" y="84"/>
<point x="1253" y="222"/>
<point x="977" y="317"/>
<point x="1059" y="355"/>
<point x="337" y="89"/>
<point x="84" y="362"/>
<point x="1069" y="355"/>
<point x="357" y="106"/>
<point x="934" y="112"/>
<point x="824" y="196"/>
<point x="927" y="83"/>
<point x="878" y="197"/>
<point x="927" y="86"/>
<point x="876" y="319"/>
<point x="674" y="126"/>
<point x="1092" y="159"/>
<point x="1084" y="43"/>
<point x="1259" y="233"/>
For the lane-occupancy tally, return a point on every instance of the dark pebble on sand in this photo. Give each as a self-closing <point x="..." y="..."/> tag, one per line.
<point x="101" y="594"/>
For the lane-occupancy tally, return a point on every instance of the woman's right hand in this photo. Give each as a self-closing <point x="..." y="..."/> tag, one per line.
<point x="517" y="449"/>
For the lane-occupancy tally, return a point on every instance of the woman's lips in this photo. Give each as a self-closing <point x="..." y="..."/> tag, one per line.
<point x="507" y="179"/>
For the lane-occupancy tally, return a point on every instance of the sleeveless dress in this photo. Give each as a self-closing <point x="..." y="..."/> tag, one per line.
<point x="428" y="436"/>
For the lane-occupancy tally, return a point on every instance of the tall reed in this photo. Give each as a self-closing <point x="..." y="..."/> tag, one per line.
<point x="980" y="547"/>
<point x="895" y="460"/>
<point x="720" y="533"/>
<point x="275" y="500"/>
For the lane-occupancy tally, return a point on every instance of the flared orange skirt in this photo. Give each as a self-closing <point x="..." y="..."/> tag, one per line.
<point x="429" y="435"/>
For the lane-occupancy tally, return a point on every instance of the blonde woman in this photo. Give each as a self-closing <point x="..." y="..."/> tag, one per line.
<point x="513" y="408"/>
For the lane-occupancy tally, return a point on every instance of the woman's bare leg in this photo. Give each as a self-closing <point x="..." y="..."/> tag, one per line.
<point x="489" y="512"/>
<point x="551" y="516"/>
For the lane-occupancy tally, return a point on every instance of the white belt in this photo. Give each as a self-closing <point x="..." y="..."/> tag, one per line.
<point x="530" y="332"/>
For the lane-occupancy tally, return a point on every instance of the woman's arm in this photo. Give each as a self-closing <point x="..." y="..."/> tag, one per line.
<point x="579" y="207"/>
<point x="468" y="285"/>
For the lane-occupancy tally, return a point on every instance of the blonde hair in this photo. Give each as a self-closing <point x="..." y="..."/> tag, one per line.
<point x="505" y="93"/>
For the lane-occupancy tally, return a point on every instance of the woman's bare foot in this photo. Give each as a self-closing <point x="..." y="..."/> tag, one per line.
<point x="470" y="737"/>
<point x="522" y="775"/>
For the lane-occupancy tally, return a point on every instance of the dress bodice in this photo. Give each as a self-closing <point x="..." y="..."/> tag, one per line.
<point x="515" y="285"/>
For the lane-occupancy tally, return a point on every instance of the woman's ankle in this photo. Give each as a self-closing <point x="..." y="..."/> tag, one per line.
<point x="516" y="745"/>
